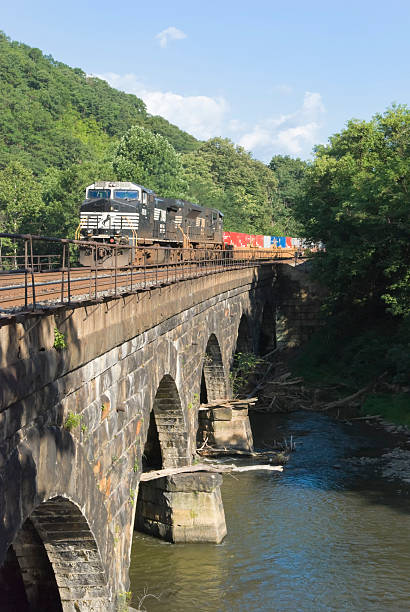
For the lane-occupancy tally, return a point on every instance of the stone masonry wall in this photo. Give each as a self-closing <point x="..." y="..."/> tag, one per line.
<point x="298" y="301"/>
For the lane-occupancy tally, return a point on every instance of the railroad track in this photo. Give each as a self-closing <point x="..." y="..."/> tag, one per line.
<point x="17" y="289"/>
<point x="25" y="289"/>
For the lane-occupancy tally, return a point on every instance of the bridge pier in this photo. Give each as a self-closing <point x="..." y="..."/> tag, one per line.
<point x="225" y="427"/>
<point x="182" y="508"/>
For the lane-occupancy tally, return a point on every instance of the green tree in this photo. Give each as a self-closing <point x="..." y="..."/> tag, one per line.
<point x="357" y="201"/>
<point x="150" y="160"/>
<point x="21" y="205"/>
<point x="225" y="176"/>
<point x="290" y="174"/>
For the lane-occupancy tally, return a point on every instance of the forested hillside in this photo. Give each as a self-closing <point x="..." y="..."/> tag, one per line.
<point x="54" y="115"/>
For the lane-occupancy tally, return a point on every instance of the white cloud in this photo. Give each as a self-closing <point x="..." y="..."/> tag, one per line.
<point x="168" y="34"/>
<point x="201" y="116"/>
<point x="294" y="140"/>
<point x="205" y="117"/>
<point x="294" y="133"/>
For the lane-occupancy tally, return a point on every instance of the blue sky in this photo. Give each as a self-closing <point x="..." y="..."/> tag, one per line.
<point x="274" y="77"/>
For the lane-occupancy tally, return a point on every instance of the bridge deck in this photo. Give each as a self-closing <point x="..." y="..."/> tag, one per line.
<point x="27" y="285"/>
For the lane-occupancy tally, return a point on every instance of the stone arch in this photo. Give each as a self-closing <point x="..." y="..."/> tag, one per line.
<point x="169" y="421"/>
<point x="56" y="559"/>
<point x="267" y="336"/>
<point x="213" y="382"/>
<point x="244" y="338"/>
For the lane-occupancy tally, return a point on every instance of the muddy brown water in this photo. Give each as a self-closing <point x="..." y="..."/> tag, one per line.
<point x="325" y="535"/>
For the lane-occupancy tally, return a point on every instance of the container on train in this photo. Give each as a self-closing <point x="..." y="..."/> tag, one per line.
<point x="237" y="239"/>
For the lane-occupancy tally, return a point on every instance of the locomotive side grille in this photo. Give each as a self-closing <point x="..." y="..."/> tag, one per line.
<point x="178" y="219"/>
<point x="110" y="221"/>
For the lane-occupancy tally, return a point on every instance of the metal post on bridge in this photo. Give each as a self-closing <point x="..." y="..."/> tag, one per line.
<point x="115" y="269"/>
<point x="62" y="273"/>
<point x="68" y="275"/>
<point x="145" y="270"/>
<point x="156" y="267"/>
<point x="33" y="287"/>
<point x="95" y="272"/>
<point x="25" y="272"/>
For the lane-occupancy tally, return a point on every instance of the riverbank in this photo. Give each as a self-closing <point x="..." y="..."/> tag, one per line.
<point x="280" y="391"/>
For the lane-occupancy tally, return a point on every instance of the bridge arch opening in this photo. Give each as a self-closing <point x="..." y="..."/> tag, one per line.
<point x="152" y="456"/>
<point x="213" y="384"/>
<point x="244" y="337"/>
<point x="267" y="336"/>
<point x="53" y="563"/>
<point x="167" y="433"/>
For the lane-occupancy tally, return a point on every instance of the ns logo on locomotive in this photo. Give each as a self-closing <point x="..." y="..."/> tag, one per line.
<point x="129" y="215"/>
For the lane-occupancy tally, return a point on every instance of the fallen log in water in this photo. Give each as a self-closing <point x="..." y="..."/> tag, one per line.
<point x="208" y="467"/>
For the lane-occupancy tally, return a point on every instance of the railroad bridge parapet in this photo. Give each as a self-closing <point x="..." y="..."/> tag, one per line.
<point x="80" y="421"/>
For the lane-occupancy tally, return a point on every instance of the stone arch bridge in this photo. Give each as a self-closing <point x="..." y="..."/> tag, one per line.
<point x="76" y="422"/>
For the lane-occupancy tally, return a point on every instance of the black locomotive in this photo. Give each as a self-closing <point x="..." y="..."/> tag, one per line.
<point x="130" y="215"/>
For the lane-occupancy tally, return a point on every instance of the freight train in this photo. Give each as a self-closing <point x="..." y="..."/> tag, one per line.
<point x="129" y="215"/>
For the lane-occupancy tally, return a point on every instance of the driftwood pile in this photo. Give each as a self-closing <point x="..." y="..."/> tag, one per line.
<point x="283" y="394"/>
<point x="279" y="392"/>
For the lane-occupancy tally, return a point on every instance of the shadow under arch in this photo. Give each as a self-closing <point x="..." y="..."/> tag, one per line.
<point x="244" y="342"/>
<point x="267" y="335"/>
<point x="213" y="382"/>
<point x="53" y="563"/>
<point x="167" y="439"/>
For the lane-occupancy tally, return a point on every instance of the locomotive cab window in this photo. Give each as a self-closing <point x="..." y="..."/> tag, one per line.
<point x="127" y="195"/>
<point x="144" y="197"/>
<point x="99" y="193"/>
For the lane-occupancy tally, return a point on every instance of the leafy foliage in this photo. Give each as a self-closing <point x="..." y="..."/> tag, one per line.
<point x="21" y="205"/>
<point x="357" y="201"/>
<point x="150" y="160"/>
<point x="72" y="421"/>
<point x="244" y="365"/>
<point x="357" y="354"/>
<point x="59" y="340"/>
<point x="224" y="176"/>
<point x="290" y="174"/>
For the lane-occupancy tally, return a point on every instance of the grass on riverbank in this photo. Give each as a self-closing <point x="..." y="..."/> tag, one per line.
<point x="394" y="407"/>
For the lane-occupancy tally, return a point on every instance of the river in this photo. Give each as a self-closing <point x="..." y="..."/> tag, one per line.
<point x="326" y="534"/>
